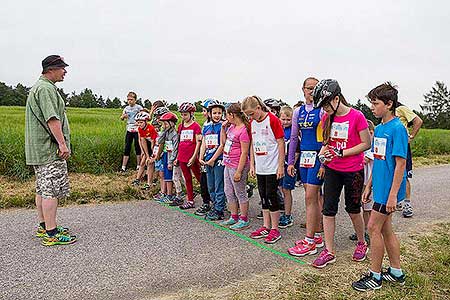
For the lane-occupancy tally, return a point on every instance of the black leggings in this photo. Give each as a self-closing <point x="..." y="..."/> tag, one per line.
<point x="267" y="187"/>
<point x="129" y="138"/>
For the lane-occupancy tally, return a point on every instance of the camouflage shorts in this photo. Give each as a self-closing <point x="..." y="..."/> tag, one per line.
<point x="52" y="180"/>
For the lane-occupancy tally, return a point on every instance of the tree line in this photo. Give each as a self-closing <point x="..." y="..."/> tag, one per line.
<point x="435" y="110"/>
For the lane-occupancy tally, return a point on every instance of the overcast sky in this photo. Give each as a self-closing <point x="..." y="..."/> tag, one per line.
<point x="191" y="50"/>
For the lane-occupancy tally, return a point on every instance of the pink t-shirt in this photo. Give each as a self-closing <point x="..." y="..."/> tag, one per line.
<point x="232" y="150"/>
<point x="345" y="135"/>
<point x="265" y="134"/>
<point x="186" y="147"/>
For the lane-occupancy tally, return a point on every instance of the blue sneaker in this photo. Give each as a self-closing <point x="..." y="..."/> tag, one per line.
<point x="285" y="221"/>
<point x="214" y="215"/>
<point x="228" y="222"/>
<point x="241" y="224"/>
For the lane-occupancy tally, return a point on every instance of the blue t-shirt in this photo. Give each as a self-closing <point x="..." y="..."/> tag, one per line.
<point x="287" y="139"/>
<point x="390" y="140"/>
<point x="211" y="134"/>
<point x="310" y="128"/>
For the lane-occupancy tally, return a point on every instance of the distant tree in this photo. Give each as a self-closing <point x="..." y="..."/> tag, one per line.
<point x="20" y="94"/>
<point x="6" y="94"/>
<point x="437" y="106"/>
<point x="366" y="111"/>
<point x="173" y="106"/>
<point x="108" y="103"/>
<point x="116" y="103"/>
<point x="85" y="99"/>
<point x="198" y="106"/>
<point x="147" y="104"/>
<point x="100" y="102"/>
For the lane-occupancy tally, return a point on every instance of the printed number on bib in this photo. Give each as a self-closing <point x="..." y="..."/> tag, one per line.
<point x="308" y="159"/>
<point x="260" y="148"/>
<point x="169" y="146"/>
<point x="339" y="131"/>
<point x="379" y="148"/>
<point x="187" y="135"/>
<point x="212" y="140"/>
<point x="155" y="151"/>
<point x="227" y="147"/>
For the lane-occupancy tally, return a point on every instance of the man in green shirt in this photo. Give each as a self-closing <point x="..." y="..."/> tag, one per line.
<point x="47" y="148"/>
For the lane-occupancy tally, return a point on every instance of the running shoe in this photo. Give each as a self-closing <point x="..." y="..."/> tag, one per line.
<point x="303" y="249"/>
<point x="158" y="196"/>
<point x="353" y="237"/>
<point x="260" y="216"/>
<point x="261" y="232"/>
<point x="388" y="276"/>
<point x="407" y="210"/>
<point x="40" y="232"/>
<point x="167" y="199"/>
<point x="187" y="205"/>
<point x="317" y="240"/>
<point x="273" y="237"/>
<point x="325" y="257"/>
<point x="249" y="188"/>
<point x="214" y="215"/>
<point x="367" y="283"/>
<point x="361" y="250"/>
<point x="228" y="222"/>
<point x="176" y="202"/>
<point x="135" y="182"/>
<point x="286" y="221"/>
<point x="145" y="187"/>
<point x="241" y="224"/>
<point x="203" y="210"/>
<point x="58" y="239"/>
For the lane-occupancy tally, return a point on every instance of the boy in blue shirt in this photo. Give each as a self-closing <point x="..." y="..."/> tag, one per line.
<point x="390" y="145"/>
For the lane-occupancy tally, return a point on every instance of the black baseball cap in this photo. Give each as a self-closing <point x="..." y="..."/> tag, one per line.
<point x="53" y="62"/>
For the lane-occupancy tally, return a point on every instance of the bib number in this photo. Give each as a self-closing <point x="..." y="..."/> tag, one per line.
<point x="212" y="140"/>
<point x="260" y="148"/>
<point x="379" y="148"/>
<point x="339" y="132"/>
<point x="187" y="135"/>
<point x="155" y="151"/>
<point x="227" y="146"/>
<point x="308" y="159"/>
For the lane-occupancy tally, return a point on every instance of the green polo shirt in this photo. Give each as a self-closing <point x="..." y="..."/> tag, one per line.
<point x="46" y="103"/>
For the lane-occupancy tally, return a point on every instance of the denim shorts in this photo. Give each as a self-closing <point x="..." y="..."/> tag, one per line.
<point x="159" y="165"/>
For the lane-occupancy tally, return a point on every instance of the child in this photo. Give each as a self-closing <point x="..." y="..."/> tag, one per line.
<point x="368" y="165"/>
<point x="307" y="125"/>
<point x="211" y="157"/>
<point x="205" y="208"/>
<point x="267" y="162"/>
<point x="190" y="140"/>
<point x="157" y="111"/>
<point x="346" y="137"/>
<point x="129" y="113"/>
<point x="288" y="181"/>
<point x="147" y="137"/>
<point x="167" y="152"/>
<point x="388" y="182"/>
<point x="236" y="145"/>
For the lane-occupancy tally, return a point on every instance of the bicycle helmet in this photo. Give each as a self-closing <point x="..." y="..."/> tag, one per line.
<point x="169" y="116"/>
<point x="160" y="111"/>
<point x="325" y="91"/>
<point x="273" y="103"/>
<point x="142" y="116"/>
<point x="215" y="103"/>
<point x="187" y="107"/>
<point x="206" y="102"/>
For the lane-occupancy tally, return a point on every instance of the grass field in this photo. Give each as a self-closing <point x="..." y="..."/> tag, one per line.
<point x="98" y="140"/>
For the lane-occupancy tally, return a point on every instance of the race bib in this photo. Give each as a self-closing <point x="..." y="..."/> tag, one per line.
<point x="187" y="135"/>
<point x="339" y="131"/>
<point x="155" y="151"/>
<point x="308" y="159"/>
<point x="286" y="146"/>
<point x="169" y="146"/>
<point x="211" y="140"/>
<point x="260" y="148"/>
<point x="379" y="148"/>
<point x="227" y="146"/>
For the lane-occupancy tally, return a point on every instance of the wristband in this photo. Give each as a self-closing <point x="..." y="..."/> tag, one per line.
<point x="322" y="158"/>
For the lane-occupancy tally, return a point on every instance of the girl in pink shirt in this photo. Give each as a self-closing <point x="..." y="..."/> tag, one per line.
<point x="345" y="138"/>
<point x="236" y="144"/>
<point x="190" y="135"/>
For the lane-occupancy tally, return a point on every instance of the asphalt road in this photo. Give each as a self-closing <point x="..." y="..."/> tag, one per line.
<point x="141" y="249"/>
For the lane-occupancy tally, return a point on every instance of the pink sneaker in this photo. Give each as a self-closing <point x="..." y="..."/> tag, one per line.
<point x="361" y="250"/>
<point x="260" y="233"/>
<point x="303" y="249"/>
<point x="273" y="237"/>
<point x="317" y="240"/>
<point x="324" y="259"/>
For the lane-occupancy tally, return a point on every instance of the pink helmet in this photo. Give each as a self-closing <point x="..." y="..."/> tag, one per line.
<point x="169" y="116"/>
<point x="187" y="107"/>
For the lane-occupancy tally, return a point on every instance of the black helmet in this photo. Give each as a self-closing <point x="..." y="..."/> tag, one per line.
<point x="273" y="103"/>
<point x="160" y="111"/>
<point x="325" y="91"/>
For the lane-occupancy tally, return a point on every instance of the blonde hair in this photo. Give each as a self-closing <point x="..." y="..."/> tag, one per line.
<point x="252" y="102"/>
<point x="287" y="110"/>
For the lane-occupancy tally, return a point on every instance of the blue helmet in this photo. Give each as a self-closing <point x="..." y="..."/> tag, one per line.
<point x="206" y="102"/>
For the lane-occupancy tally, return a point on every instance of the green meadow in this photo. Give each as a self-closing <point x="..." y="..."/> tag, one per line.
<point x="98" y="140"/>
